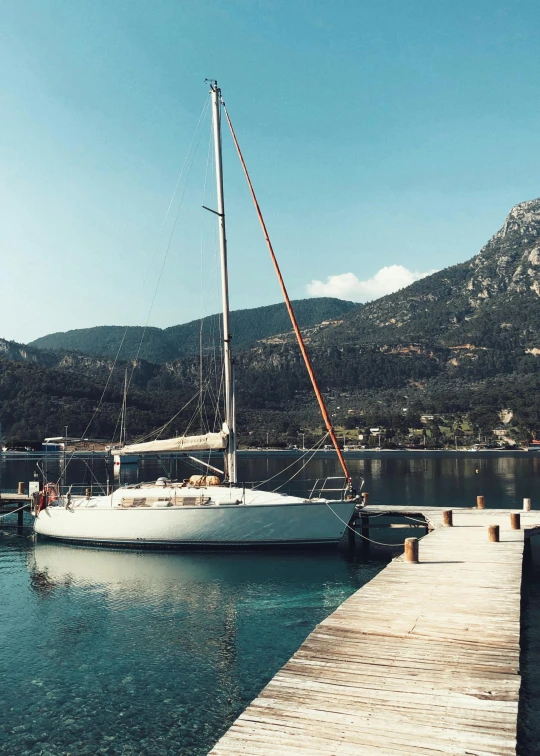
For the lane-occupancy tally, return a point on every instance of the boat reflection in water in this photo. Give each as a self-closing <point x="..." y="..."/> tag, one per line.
<point x="134" y="645"/>
<point x="185" y="577"/>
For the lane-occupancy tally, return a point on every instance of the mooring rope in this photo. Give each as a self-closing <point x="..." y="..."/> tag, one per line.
<point x="371" y="540"/>
<point x="13" y="511"/>
<point x="280" y="472"/>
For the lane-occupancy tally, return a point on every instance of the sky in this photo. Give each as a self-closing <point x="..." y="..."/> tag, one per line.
<point x="386" y="139"/>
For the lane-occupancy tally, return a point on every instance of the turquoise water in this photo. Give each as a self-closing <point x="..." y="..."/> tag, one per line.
<point x="118" y="652"/>
<point x="115" y="652"/>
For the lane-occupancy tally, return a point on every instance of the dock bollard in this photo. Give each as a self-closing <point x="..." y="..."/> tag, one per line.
<point x="526" y="505"/>
<point x="493" y="533"/>
<point x="365" y="499"/>
<point x="21" y="488"/>
<point x="480" y="502"/>
<point x="88" y="493"/>
<point x="411" y="550"/>
<point x="447" y="518"/>
<point x="515" y="521"/>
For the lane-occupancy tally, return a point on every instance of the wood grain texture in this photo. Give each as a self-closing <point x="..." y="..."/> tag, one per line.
<point x="424" y="659"/>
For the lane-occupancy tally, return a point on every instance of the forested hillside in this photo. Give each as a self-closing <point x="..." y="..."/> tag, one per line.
<point x="462" y="345"/>
<point x="163" y="345"/>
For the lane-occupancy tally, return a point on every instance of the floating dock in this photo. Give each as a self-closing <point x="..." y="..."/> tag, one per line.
<point x="423" y="659"/>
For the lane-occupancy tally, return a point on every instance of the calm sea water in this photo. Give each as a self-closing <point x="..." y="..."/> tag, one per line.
<point x="117" y="652"/>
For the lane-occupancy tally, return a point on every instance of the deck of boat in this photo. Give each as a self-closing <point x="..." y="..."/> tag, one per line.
<point x="422" y="659"/>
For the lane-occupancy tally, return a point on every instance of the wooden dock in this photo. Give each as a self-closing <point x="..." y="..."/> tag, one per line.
<point x="424" y="659"/>
<point x="14" y="503"/>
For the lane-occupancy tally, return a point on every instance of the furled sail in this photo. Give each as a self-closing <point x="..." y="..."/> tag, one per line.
<point x="204" y="442"/>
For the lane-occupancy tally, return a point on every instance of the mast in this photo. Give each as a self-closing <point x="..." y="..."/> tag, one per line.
<point x="230" y="452"/>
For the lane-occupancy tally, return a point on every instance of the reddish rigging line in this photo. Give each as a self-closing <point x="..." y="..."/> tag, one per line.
<point x="290" y="310"/>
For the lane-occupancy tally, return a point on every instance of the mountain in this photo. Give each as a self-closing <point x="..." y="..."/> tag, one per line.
<point x="463" y="340"/>
<point x="462" y="344"/>
<point x="162" y="345"/>
<point x="491" y="301"/>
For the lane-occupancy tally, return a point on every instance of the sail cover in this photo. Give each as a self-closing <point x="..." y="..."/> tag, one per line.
<point x="179" y="443"/>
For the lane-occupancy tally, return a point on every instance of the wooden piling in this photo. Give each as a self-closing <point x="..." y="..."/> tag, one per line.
<point x="480" y="502"/>
<point x="526" y="505"/>
<point x="88" y="493"/>
<point x="365" y="499"/>
<point x="351" y="536"/>
<point x="411" y="550"/>
<point x="21" y="488"/>
<point x="447" y="518"/>
<point x="365" y="527"/>
<point x="515" y="521"/>
<point x="493" y="533"/>
<point x="20" y="517"/>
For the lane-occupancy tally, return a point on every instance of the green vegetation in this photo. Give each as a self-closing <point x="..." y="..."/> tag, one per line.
<point x="163" y="345"/>
<point x="461" y="345"/>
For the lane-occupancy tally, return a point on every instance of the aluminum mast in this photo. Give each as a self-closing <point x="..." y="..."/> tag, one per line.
<point x="215" y="94"/>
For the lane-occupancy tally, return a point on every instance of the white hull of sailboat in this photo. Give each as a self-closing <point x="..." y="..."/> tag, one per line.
<point x="309" y="523"/>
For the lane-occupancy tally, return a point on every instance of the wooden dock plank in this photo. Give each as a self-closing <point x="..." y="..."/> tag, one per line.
<point x="424" y="659"/>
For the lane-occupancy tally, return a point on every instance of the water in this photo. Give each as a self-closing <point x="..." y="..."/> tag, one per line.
<point x="148" y="653"/>
<point x="118" y="652"/>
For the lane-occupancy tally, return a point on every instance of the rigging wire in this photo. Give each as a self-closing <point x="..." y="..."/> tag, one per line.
<point x="202" y="117"/>
<point x="290" y="310"/>
<point x="157" y="432"/>
<point x="366" y="538"/>
<point x="306" y="463"/>
<point x="280" y="472"/>
<point x="201" y="325"/>
<point x="201" y="120"/>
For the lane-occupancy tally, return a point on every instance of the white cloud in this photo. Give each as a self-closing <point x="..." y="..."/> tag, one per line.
<point x="349" y="286"/>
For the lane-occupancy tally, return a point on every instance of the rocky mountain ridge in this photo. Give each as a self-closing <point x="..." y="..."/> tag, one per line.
<point x="464" y="339"/>
<point x="498" y="288"/>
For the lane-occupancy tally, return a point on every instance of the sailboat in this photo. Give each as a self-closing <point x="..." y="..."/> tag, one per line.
<point x="205" y="511"/>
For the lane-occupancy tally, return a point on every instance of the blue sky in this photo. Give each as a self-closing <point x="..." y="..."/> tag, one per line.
<point x="378" y="134"/>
